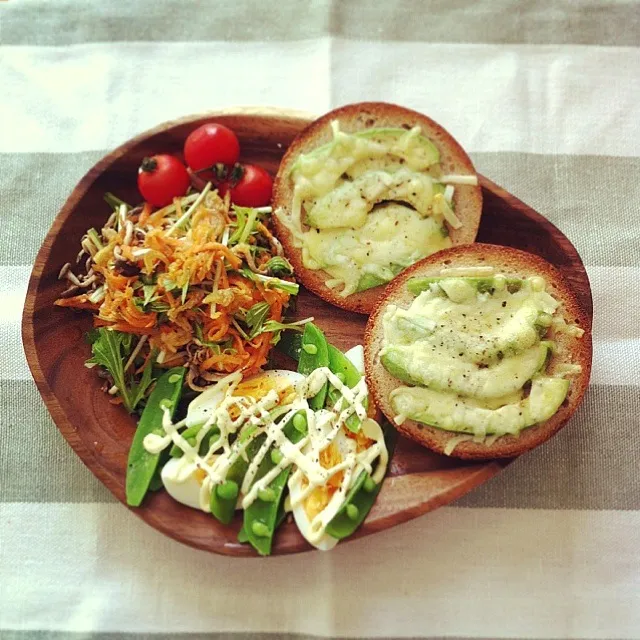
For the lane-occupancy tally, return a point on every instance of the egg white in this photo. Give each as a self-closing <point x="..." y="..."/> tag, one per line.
<point x="180" y="480"/>
<point x="326" y="542"/>
<point x="356" y="356"/>
<point x="179" y="476"/>
<point x="372" y="430"/>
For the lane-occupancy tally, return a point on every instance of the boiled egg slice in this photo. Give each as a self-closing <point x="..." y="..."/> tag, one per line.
<point x="255" y="387"/>
<point x="183" y="481"/>
<point x="305" y="509"/>
<point x="183" y="478"/>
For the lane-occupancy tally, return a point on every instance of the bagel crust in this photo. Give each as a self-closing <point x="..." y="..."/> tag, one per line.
<point x="358" y="117"/>
<point x="570" y="348"/>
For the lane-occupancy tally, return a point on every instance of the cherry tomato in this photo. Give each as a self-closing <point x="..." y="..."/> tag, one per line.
<point x="252" y="188"/>
<point x="209" y="145"/>
<point x="162" y="178"/>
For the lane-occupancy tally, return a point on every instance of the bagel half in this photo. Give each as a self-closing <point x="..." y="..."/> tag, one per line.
<point x="357" y="117"/>
<point x="570" y="348"/>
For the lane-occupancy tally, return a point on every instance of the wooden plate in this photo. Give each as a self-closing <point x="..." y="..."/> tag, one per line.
<point x="100" y="433"/>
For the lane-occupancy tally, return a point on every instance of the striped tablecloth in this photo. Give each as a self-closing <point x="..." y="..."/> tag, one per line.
<point x="546" y="97"/>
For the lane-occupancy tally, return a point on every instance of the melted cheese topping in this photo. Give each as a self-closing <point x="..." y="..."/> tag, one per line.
<point x="393" y="237"/>
<point x="334" y="218"/>
<point x="474" y="348"/>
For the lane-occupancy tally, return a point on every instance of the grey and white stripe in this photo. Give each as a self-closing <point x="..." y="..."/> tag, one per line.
<point x="607" y="23"/>
<point x="545" y="96"/>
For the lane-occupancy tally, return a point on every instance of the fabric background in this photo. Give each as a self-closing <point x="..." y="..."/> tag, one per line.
<point x="546" y="97"/>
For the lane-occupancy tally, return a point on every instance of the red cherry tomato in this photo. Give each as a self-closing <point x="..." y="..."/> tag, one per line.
<point x="252" y="189"/>
<point x="209" y="145"/>
<point x="162" y="178"/>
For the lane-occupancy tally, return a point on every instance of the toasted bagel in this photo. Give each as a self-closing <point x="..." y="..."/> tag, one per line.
<point x="570" y="348"/>
<point x="358" y="117"/>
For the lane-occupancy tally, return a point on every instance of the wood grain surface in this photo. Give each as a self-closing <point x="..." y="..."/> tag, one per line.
<point x="100" y="433"/>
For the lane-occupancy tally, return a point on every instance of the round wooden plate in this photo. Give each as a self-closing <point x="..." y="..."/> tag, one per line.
<point x="100" y="433"/>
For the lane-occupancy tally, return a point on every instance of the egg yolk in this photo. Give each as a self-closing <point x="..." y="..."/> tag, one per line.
<point x="258" y="387"/>
<point x="330" y="456"/>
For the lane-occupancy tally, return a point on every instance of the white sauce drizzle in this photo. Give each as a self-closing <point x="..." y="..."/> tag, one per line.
<point x="268" y="417"/>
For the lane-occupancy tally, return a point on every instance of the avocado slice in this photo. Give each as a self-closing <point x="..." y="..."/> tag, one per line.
<point x="450" y="412"/>
<point x="350" y="202"/>
<point x="518" y="333"/>
<point x="445" y="373"/>
<point x="482" y="284"/>
<point x="370" y="280"/>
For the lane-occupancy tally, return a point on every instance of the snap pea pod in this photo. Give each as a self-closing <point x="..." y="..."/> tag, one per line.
<point x="142" y="465"/>
<point x="262" y="517"/>
<point x="360" y="498"/>
<point x="342" y="366"/>
<point x="156" y="482"/>
<point x="190" y="436"/>
<point x="242" y="535"/>
<point x="224" y="496"/>
<point x="290" y="344"/>
<point x="314" y="354"/>
<point x="282" y="514"/>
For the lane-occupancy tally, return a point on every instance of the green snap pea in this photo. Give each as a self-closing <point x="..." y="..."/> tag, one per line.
<point x="260" y="529"/>
<point x="242" y="535"/>
<point x="223" y="506"/>
<point x="369" y="485"/>
<point x="142" y="465"/>
<point x="276" y="456"/>
<point x="314" y="354"/>
<point x="190" y="435"/>
<point x="290" y="344"/>
<point x="300" y="422"/>
<point x="228" y="490"/>
<point x="282" y="514"/>
<point x="267" y="495"/>
<point x="360" y="498"/>
<point x="156" y="482"/>
<point x="268" y="514"/>
<point x="352" y="511"/>
<point x="349" y="375"/>
<point x="205" y="443"/>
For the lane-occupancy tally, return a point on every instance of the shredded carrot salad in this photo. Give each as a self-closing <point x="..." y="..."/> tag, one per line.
<point x="205" y="284"/>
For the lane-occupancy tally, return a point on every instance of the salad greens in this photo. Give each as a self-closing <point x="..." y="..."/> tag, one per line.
<point x="115" y="351"/>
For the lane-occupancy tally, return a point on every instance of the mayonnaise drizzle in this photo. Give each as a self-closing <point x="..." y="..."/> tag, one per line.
<point x="268" y="417"/>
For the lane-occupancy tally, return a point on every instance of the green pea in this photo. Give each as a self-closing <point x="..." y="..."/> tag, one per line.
<point x="369" y="484"/>
<point x="260" y="529"/>
<point x="228" y="490"/>
<point x="276" y="456"/>
<point x="311" y="349"/>
<point x="352" y="512"/>
<point x="267" y="495"/>
<point x="175" y="377"/>
<point x="300" y="422"/>
<point x="165" y="403"/>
